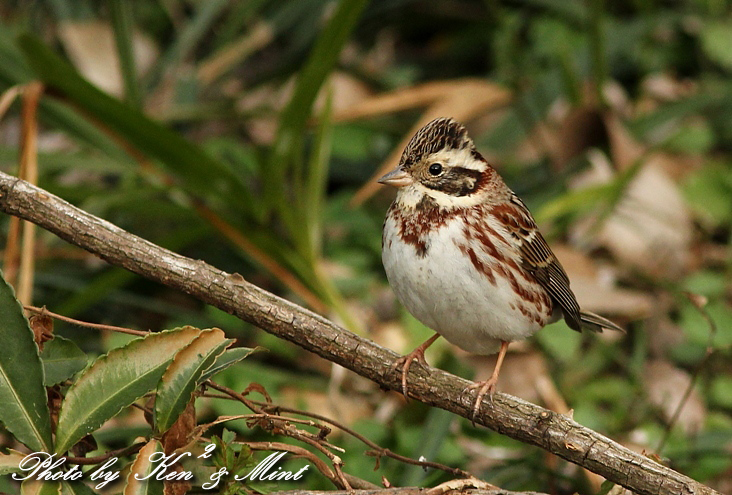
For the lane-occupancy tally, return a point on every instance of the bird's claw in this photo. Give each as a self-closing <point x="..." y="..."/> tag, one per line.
<point x="487" y="387"/>
<point x="405" y="362"/>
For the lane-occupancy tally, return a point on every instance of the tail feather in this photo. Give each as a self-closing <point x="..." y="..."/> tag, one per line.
<point x="596" y="323"/>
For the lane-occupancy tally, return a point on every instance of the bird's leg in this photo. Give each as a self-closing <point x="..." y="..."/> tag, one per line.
<point x="405" y="362"/>
<point x="488" y="386"/>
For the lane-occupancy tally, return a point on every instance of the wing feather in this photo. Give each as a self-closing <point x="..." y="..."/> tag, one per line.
<point x="540" y="261"/>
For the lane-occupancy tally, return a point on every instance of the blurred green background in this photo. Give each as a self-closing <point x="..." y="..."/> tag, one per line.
<point x="243" y="134"/>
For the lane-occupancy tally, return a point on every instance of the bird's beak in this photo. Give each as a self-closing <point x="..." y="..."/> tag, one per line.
<point x="397" y="178"/>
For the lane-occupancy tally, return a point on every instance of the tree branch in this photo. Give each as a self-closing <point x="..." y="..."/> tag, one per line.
<point x="508" y="415"/>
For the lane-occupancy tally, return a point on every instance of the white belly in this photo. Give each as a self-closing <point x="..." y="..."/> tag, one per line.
<point x="445" y="291"/>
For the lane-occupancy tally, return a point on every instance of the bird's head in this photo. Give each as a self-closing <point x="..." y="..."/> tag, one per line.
<point x="442" y="163"/>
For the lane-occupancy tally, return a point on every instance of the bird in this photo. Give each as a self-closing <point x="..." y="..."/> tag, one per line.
<point x="465" y="257"/>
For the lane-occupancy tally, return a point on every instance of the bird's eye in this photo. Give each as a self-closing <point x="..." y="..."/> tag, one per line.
<point x="435" y="169"/>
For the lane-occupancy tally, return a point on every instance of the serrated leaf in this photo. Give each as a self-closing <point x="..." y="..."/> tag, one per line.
<point x="24" y="410"/>
<point x="10" y="462"/>
<point x="141" y="468"/>
<point x="228" y="358"/>
<point x="34" y="487"/>
<point x="115" y="380"/>
<point x="61" y="359"/>
<point x="184" y="374"/>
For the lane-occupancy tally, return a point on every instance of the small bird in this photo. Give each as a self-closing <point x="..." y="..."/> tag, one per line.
<point x="464" y="255"/>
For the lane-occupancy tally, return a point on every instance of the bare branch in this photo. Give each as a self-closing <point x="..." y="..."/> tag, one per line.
<point x="508" y="415"/>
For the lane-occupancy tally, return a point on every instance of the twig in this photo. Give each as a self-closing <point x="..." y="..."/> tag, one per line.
<point x="317" y="462"/>
<point x="377" y="449"/>
<point x="699" y="302"/>
<point x="318" y="443"/>
<point x="107" y="455"/>
<point x="505" y="414"/>
<point x="80" y="323"/>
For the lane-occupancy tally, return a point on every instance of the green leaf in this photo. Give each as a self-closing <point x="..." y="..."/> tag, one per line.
<point x="721" y="391"/>
<point x="33" y="487"/>
<point x="228" y="358"/>
<point x="197" y="172"/>
<point x="184" y="374"/>
<point x="672" y="111"/>
<point x="709" y="192"/>
<point x="435" y="431"/>
<point x="141" y="468"/>
<point x="697" y="329"/>
<point x="316" y="182"/>
<point x="716" y="39"/>
<point x="187" y="38"/>
<point x="694" y="138"/>
<point x="61" y="359"/>
<point x="573" y="202"/>
<point x="560" y="341"/>
<point x="75" y="488"/>
<point x="14" y="71"/>
<point x="10" y="462"/>
<point x="122" y="22"/>
<point x="605" y="487"/>
<point x="114" y="381"/>
<point x="24" y="410"/>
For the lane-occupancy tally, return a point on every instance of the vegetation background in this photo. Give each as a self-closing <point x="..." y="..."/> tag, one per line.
<point x="248" y="134"/>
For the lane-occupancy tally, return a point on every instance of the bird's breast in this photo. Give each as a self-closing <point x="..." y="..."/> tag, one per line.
<point x="460" y="276"/>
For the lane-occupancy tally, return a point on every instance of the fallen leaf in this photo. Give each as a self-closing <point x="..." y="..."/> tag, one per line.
<point x="666" y="385"/>
<point x="91" y="47"/>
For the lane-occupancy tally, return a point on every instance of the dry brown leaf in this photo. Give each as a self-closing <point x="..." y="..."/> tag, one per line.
<point x="91" y="47"/>
<point x="664" y="87"/>
<point x="580" y="130"/>
<point x="663" y="335"/>
<point x="259" y="36"/>
<point x="624" y="149"/>
<point x="347" y="409"/>
<point x="595" y="288"/>
<point x="611" y="301"/>
<point x="650" y="228"/>
<point x="666" y="385"/>
<point x="392" y="336"/>
<point x="42" y="327"/>
<point x="345" y="91"/>
<point x="520" y="374"/>
<point x="177" y="435"/>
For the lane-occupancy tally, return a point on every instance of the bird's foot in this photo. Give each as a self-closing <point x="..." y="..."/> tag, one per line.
<point x="405" y="362"/>
<point x="487" y="387"/>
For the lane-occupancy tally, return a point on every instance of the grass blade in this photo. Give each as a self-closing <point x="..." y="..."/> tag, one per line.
<point x="322" y="59"/>
<point x="196" y="171"/>
<point x="122" y="22"/>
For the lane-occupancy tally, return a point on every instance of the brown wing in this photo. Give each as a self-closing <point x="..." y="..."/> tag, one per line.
<point x="540" y="261"/>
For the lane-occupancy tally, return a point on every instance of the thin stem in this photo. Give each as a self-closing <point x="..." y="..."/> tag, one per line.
<point x="86" y="324"/>
<point x="108" y="455"/>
